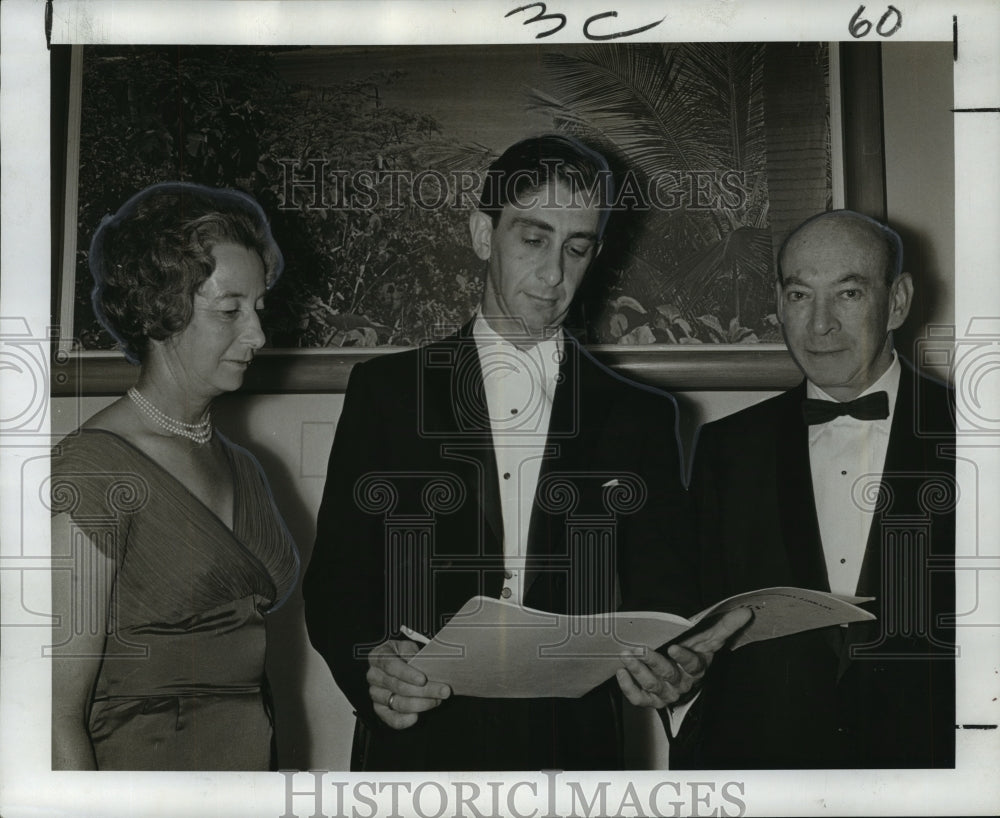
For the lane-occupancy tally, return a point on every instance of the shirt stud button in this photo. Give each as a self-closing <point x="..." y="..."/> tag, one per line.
<point x="505" y="593"/>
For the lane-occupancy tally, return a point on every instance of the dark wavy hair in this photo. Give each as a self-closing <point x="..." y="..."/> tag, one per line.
<point x="529" y="165"/>
<point x="150" y="258"/>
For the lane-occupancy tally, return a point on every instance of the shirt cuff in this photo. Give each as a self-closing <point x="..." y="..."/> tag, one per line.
<point x="673" y="715"/>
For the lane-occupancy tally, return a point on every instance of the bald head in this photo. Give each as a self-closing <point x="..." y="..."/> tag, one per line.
<point x="851" y="232"/>
<point x="840" y="295"/>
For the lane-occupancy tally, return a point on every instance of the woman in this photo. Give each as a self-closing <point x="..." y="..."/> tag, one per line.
<point x="182" y="551"/>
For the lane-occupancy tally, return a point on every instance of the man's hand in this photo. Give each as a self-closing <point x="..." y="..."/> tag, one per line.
<point x="400" y="692"/>
<point x="652" y="680"/>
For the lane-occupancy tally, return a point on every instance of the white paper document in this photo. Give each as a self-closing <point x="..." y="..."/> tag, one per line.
<point x="499" y="649"/>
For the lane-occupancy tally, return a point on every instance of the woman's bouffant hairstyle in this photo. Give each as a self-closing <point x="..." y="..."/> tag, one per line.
<point x="150" y="258"/>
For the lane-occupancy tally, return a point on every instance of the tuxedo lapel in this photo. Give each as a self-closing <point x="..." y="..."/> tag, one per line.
<point x="454" y="394"/>
<point x="577" y="412"/>
<point x="794" y="493"/>
<point x="902" y="459"/>
<point x="579" y="408"/>
<point x="899" y="456"/>
<point x="797" y="504"/>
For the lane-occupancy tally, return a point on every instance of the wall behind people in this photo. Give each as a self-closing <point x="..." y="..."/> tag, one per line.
<point x="292" y="434"/>
<point x="917" y="98"/>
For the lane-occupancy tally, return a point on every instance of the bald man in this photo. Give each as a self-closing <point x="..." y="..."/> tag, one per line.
<point x="843" y="484"/>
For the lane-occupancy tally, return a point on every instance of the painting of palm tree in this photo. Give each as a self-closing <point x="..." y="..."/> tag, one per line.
<point x="695" y="261"/>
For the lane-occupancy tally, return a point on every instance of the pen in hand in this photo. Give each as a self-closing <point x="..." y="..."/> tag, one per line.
<point x="409" y="633"/>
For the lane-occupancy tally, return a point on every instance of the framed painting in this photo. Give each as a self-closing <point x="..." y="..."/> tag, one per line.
<point x="367" y="160"/>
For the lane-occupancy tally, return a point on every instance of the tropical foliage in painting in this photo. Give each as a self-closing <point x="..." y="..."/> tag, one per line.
<point x="384" y="272"/>
<point x="688" y="258"/>
<point x="688" y="120"/>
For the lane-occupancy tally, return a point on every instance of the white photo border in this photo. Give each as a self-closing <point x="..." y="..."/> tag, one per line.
<point x="29" y="787"/>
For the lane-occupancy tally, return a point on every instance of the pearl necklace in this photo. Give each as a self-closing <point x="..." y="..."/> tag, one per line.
<point x="200" y="432"/>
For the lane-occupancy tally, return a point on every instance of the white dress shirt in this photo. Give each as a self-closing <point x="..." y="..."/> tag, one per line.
<point x="846" y="459"/>
<point x="520" y="385"/>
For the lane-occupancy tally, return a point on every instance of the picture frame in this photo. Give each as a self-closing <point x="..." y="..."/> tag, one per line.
<point x="858" y="175"/>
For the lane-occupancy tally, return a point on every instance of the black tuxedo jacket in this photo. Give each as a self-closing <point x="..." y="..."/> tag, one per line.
<point x="877" y="694"/>
<point x="410" y="528"/>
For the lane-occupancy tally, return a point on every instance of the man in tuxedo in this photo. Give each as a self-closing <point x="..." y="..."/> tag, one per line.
<point x="503" y="461"/>
<point x="844" y="483"/>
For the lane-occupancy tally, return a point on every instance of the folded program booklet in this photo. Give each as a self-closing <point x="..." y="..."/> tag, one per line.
<point x="500" y="649"/>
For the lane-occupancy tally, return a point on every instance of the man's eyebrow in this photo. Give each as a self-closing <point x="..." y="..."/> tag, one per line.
<point x="849" y="278"/>
<point x="527" y="221"/>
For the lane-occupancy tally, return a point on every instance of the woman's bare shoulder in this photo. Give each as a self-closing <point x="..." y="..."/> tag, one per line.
<point x="116" y="417"/>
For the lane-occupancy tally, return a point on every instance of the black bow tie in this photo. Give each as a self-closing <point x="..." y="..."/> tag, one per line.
<point x="868" y="407"/>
